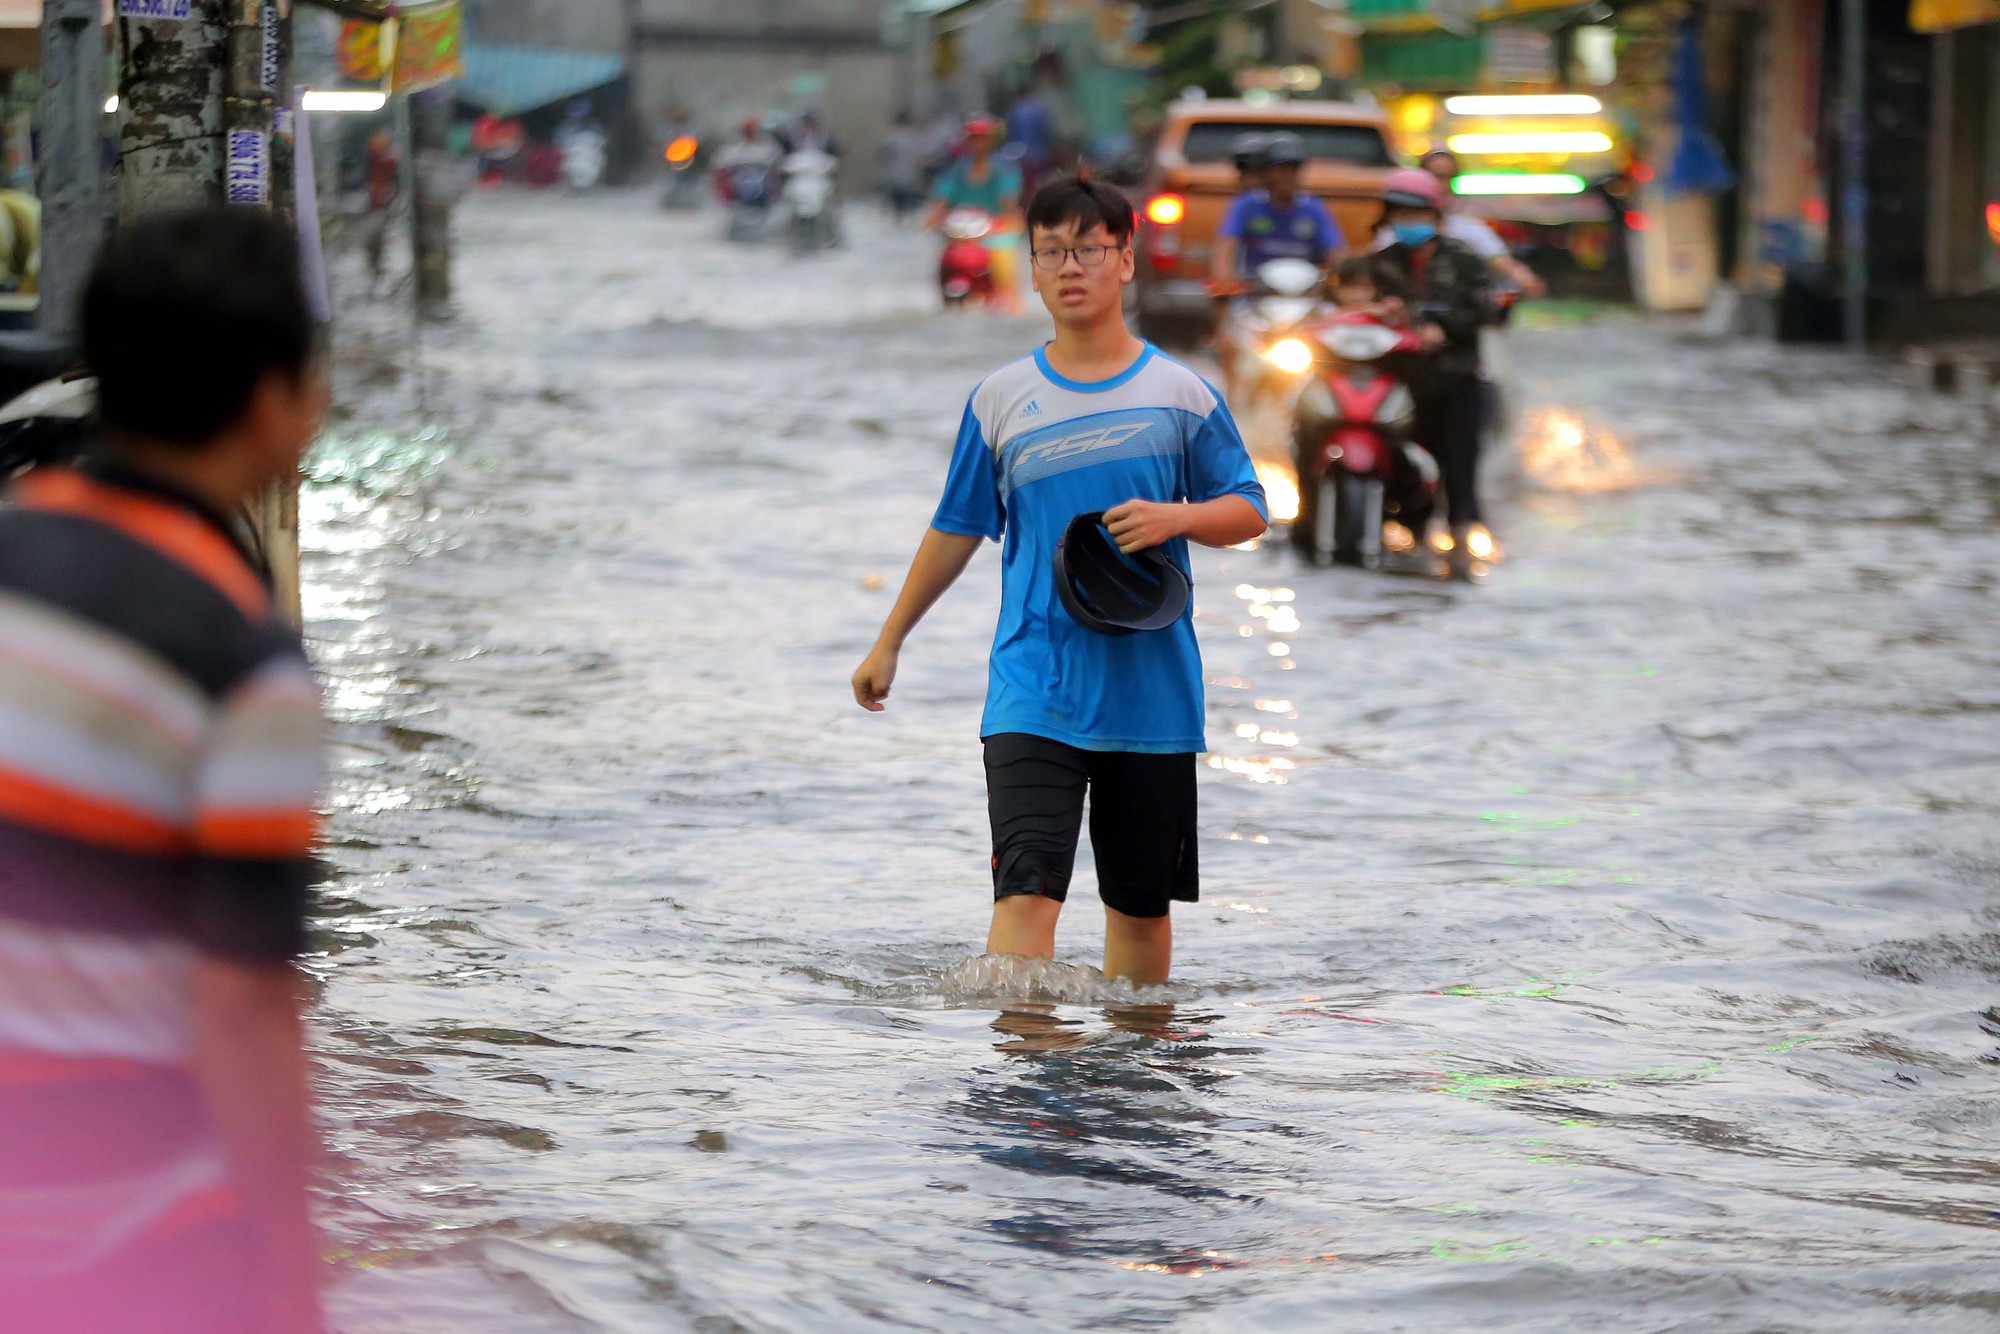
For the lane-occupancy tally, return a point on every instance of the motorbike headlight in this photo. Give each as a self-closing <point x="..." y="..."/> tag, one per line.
<point x="1293" y="356"/>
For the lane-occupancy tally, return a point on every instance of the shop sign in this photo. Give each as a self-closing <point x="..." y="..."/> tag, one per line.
<point x="424" y="46"/>
<point x="1519" y="55"/>
<point x="1944" y="15"/>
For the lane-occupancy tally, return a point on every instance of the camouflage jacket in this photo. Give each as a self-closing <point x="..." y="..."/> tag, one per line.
<point x="1444" y="284"/>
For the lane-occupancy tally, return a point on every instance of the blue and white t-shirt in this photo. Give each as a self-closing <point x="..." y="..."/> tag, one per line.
<point x="1034" y="451"/>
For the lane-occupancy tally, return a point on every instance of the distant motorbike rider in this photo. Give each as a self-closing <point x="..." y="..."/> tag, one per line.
<point x="980" y="178"/>
<point x="583" y="143"/>
<point x="809" y="136"/>
<point x="1447" y="291"/>
<point x="746" y="167"/>
<point x="1276" y="222"/>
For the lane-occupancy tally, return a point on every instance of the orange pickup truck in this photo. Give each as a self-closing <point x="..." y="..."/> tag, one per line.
<point x="1193" y="180"/>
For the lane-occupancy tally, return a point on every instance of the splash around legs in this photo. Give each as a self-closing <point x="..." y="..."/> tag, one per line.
<point x="1139" y="950"/>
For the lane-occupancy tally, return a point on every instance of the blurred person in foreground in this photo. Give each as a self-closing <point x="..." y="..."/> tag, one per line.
<point x="160" y="757"/>
<point x="1095" y="421"/>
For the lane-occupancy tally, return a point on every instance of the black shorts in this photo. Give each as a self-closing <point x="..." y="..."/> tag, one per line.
<point x="1142" y="822"/>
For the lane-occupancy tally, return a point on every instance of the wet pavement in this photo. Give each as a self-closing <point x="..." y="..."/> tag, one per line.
<point x="1614" y="945"/>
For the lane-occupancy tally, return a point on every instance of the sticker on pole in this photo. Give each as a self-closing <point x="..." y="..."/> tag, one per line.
<point x="273" y="54"/>
<point x="178" y="10"/>
<point x="249" y="179"/>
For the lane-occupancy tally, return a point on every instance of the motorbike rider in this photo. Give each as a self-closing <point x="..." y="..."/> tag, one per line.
<point x="809" y="135"/>
<point x="980" y="178"/>
<point x="1447" y="291"/>
<point x="1278" y="221"/>
<point x="582" y="142"/>
<point x="738" y="163"/>
<point x="1275" y="221"/>
<point x="1471" y="231"/>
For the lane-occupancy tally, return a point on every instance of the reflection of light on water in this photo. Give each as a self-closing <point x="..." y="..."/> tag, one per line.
<point x="1272" y="705"/>
<point x="1281" y="490"/>
<point x="1256" y="732"/>
<point x="1267" y="769"/>
<point x="1281" y="650"/>
<point x="1561" y="451"/>
<point x="1281" y="620"/>
<point x="1397" y="536"/>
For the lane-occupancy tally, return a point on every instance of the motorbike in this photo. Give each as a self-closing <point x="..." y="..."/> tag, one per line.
<point x="965" y="269"/>
<point x="1357" y="465"/>
<point x="1269" y="338"/>
<point x="808" y="201"/>
<point x="583" y="157"/>
<point x="683" y="188"/>
<point x="45" y="417"/>
<point x="746" y="191"/>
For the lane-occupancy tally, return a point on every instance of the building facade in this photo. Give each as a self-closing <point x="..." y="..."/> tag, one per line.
<point x="726" y="62"/>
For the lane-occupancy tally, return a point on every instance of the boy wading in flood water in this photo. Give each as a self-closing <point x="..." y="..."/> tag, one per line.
<point x="1096" y="420"/>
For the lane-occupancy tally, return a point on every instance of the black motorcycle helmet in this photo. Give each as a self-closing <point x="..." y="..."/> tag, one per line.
<point x="1249" y="152"/>
<point x="1285" y="149"/>
<point x="1112" y="593"/>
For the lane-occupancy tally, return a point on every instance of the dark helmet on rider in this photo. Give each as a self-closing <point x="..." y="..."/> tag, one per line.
<point x="1112" y="593"/>
<point x="1250" y="151"/>
<point x="1413" y="187"/>
<point x="1285" y="149"/>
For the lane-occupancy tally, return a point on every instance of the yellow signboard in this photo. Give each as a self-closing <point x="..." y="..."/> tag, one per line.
<point x="1943" y="15"/>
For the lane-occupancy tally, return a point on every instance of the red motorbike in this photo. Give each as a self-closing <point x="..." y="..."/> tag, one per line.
<point x="965" y="270"/>
<point x="1351" y="436"/>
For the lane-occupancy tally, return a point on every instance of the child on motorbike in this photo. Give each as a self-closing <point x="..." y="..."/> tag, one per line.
<point x="1357" y="290"/>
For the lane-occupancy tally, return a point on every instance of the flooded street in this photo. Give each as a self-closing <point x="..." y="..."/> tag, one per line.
<point x="1615" y="944"/>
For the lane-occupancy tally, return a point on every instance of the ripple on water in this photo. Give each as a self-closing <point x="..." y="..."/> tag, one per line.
<point x="985" y="980"/>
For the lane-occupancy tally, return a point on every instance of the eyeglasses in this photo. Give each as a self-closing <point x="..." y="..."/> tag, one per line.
<point x="1090" y="256"/>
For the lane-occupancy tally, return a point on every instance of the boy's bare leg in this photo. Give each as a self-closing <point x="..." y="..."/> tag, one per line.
<point x="1138" y="948"/>
<point x="1024" y="924"/>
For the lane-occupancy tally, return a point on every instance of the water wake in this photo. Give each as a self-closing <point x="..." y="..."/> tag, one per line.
<point x="990" y="979"/>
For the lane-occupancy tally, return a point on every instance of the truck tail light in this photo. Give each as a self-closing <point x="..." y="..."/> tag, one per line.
<point x="1163" y="239"/>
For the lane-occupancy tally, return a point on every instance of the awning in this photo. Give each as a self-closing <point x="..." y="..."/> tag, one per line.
<point x="1427" y="15"/>
<point x="508" y="80"/>
<point x="1944" y="15"/>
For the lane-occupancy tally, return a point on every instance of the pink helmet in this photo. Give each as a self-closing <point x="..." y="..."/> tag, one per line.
<point x="1413" y="187"/>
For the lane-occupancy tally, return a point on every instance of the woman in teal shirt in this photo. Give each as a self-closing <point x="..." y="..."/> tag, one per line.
<point x="981" y="179"/>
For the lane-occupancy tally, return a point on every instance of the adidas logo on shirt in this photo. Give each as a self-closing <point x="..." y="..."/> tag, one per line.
<point x="1033" y="409"/>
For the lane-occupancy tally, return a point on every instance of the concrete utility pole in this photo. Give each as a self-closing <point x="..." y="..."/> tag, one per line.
<point x="201" y="84"/>
<point x="1854" y="170"/>
<point x="70" y="173"/>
